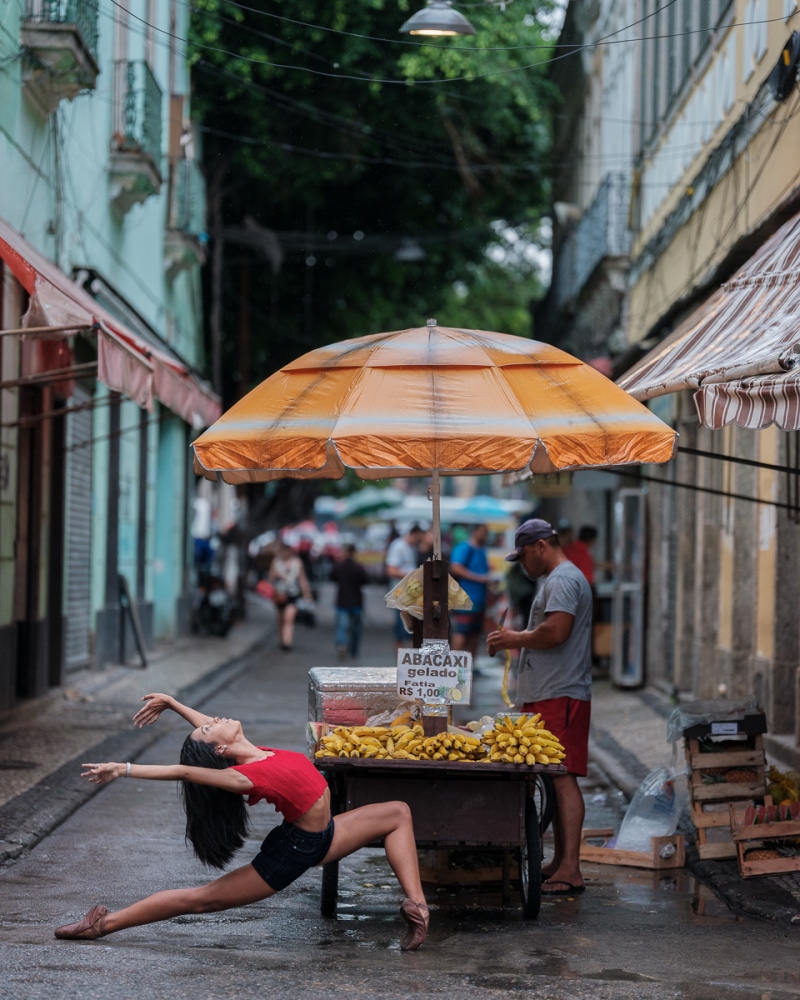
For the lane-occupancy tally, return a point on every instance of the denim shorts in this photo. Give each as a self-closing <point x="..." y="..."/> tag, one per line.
<point x="288" y="852"/>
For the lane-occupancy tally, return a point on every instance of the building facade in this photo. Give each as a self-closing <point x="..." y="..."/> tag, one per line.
<point x="708" y="133"/>
<point x="102" y="239"/>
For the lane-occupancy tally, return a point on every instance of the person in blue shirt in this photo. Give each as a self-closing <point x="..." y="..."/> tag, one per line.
<point x="469" y="565"/>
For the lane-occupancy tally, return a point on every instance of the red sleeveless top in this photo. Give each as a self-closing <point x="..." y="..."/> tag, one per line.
<point x="287" y="780"/>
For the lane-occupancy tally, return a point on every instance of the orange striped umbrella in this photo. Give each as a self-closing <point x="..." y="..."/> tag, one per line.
<point x="430" y="401"/>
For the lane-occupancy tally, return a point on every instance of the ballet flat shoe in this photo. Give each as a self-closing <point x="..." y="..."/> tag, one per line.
<point x="416" y="916"/>
<point x="88" y="928"/>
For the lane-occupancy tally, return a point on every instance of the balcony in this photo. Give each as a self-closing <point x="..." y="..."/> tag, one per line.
<point x="59" y="40"/>
<point x="136" y="134"/>
<point x="186" y="236"/>
<point x="600" y="233"/>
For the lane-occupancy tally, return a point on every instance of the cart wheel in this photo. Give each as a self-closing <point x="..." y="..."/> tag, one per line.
<point x="545" y="798"/>
<point x="330" y="889"/>
<point x="530" y="862"/>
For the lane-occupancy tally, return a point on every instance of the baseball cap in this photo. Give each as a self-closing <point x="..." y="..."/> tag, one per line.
<point x="528" y="533"/>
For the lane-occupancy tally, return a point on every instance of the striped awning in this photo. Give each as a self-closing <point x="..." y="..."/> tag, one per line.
<point x="58" y="308"/>
<point x="740" y="348"/>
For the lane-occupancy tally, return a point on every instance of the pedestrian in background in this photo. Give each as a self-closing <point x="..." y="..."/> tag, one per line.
<point x="555" y="679"/>
<point x="580" y="552"/>
<point x="350" y="577"/>
<point x="288" y="576"/>
<point x="401" y="559"/>
<point x="425" y="547"/>
<point x="469" y="566"/>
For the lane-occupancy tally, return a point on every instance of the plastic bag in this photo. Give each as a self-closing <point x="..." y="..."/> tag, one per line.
<point x="306" y="612"/>
<point x="655" y="810"/>
<point x="407" y="595"/>
<point x="407" y="712"/>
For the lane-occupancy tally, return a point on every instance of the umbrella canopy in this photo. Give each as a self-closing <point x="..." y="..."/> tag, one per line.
<point x="488" y="509"/>
<point x="429" y="401"/>
<point x="369" y="500"/>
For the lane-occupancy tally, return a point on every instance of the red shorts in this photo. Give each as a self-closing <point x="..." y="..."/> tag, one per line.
<point x="568" y="719"/>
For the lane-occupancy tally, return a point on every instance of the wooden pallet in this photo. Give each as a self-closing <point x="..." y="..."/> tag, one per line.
<point x="665" y="852"/>
<point x="710" y="803"/>
<point x="747" y="835"/>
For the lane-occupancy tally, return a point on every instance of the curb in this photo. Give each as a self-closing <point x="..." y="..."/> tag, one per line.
<point x="763" y="898"/>
<point x="30" y="816"/>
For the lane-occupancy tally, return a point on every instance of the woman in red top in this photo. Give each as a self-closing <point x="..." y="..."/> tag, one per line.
<point x="218" y="767"/>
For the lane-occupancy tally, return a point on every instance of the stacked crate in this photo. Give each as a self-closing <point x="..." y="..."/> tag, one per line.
<point x="766" y="838"/>
<point x="727" y="766"/>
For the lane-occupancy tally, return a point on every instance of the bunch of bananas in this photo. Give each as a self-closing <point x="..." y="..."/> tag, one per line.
<point x="523" y="740"/>
<point x="399" y="743"/>
<point x="450" y="746"/>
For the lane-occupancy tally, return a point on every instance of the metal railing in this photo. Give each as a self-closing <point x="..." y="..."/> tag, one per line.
<point x="137" y="108"/>
<point x="81" y="13"/>
<point x="189" y="201"/>
<point x="602" y="231"/>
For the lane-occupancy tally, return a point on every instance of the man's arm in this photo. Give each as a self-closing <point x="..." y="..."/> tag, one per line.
<point x="553" y="631"/>
<point x="460" y="571"/>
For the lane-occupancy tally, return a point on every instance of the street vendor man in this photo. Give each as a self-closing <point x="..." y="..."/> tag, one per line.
<point x="555" y="679"/>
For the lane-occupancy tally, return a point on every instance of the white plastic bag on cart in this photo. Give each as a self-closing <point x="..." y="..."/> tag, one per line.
<point x="655" y="810"/>
<point x="407" y="595"/>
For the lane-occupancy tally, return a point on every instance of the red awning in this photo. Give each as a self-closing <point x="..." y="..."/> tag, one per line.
<point x="739" y="349"/>
<point x="126" y="362"/>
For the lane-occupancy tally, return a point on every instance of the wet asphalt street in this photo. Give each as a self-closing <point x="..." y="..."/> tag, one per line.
<point x="633" y="933"/>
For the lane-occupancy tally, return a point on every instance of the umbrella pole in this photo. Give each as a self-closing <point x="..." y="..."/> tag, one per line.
<point x="436" y="621"/>
<point x="434" y="495"/>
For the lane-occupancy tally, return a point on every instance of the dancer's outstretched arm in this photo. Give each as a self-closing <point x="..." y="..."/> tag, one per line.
<point x="157" y="703"/>
<point x="226" y="779"/>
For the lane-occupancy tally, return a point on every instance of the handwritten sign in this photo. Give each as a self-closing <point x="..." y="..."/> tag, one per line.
<point x="435" y="674"/>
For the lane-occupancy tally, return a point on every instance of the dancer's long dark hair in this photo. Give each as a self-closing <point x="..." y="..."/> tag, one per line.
<point x="216" y="821"/>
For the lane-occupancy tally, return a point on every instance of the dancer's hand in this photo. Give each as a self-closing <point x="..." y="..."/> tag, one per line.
<point x="100" y="774"/>
<point x="156" y="704"/>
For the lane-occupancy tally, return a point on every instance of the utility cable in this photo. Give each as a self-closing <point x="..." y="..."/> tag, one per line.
<point x="693" y="487"/>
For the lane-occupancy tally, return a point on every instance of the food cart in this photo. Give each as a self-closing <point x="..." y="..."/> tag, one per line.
<point x="459" y="805"/>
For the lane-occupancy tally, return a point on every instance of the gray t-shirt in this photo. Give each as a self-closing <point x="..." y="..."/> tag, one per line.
<point x="564" y="671"/>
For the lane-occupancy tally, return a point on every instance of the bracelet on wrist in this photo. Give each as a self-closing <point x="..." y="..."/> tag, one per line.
<point x="128" y="769"/>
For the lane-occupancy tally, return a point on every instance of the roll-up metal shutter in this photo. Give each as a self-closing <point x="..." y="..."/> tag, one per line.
<point x="78" y="535"/>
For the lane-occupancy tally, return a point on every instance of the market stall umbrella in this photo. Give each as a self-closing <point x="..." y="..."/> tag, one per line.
<point x="430" y="401"/>
<point x="369" y="500"/>
<point x="484" y="509"/>
<point x="415" y="402"/>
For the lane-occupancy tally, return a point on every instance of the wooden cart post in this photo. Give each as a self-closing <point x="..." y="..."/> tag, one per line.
<point x="435" y="623"/>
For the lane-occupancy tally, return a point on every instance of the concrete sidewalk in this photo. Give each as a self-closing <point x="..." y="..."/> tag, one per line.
<point x="44" y="743"/>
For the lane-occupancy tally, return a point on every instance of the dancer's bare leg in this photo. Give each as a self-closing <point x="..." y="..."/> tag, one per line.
<point x="392" y="821"/>
<point x="235" y="888"/>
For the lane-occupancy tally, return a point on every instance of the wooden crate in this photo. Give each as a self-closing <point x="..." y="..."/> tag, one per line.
<point x="748" y="835"/>
<point x="710" y="803"/>
<point x="634" y="859"/>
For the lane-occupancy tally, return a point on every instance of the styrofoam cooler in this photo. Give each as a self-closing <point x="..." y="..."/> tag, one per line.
<point x="348" y="696"/>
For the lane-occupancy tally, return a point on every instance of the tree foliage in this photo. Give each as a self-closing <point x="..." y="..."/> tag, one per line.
<point x="351" y="142"/>
<point x="337" y="149"/>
